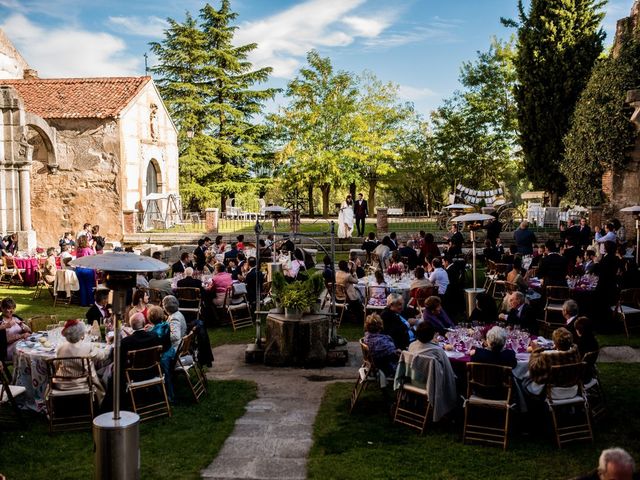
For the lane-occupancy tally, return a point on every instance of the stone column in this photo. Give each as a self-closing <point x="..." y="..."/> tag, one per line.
<point x="595" y="217"/>
<point x="129" y="221"/>
<point x="211" y="219"/>
<point x="25" y="198"/>
<point x="382" y="221"/>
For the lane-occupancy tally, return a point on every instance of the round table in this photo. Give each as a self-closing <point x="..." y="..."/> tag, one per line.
<point x="402" y="286"/>
<point x="30" y="267"/>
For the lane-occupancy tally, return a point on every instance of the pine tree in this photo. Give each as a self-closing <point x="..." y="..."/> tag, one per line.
<point x="208" y="85"/>
<point x="558" y="44"/>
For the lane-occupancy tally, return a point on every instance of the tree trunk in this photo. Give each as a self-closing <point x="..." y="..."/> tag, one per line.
<point x="554" y="199"/>
<point x="371" y="198"/>
<point x="310" y="200"/>
<point x="325" y="188"/>
<point x="223" y="202"/>
<point x="352" y="190"/>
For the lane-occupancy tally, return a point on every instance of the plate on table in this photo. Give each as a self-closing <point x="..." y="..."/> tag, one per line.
<point x="454" y="354"/>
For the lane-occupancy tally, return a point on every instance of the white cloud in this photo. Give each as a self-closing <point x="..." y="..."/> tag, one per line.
<point x="145" y="27"/>
<point x="443" y="30"/>
<point x="69" y="51"/>
<point x="284" y="38"/>
<point x="413" y="94"/>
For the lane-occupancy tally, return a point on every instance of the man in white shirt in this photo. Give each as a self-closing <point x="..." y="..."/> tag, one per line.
<point x="439" y="276"/>
<point x="609" y="236"/>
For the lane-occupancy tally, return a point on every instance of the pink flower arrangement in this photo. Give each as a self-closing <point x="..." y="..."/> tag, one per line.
<point x="395" y="269"/>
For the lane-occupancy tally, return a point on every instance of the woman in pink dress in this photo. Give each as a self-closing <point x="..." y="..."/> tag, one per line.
<point x="14" y="327"/>
<point x="83" y="249"/>
<point x="219" y="283"/>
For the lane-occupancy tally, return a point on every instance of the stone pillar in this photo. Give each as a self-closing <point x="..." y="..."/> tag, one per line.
<point x="211" y="216"/>
<point x="294" y="219"/>
<point x="595" y="217"/>
<point x="129" y="221"/>
<point x="25" y="198"/>
<point x="382" y="221"/>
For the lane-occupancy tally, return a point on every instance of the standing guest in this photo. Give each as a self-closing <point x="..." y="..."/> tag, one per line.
<point x="361" y="212"/>
<point x="455" y="241"/>
<point x="269" y="241"/>
<point x="240" y="242"/>
<point x="182" y="264"/>
<point x="85" y="232"/>
<point x="524" y="239"/>
<point x="83" y="250"/>
<point x="219" y="246"/>
<point x="100" y="311"/>
<point x="439" y="276"/>
<point x="252" y="278"/>
<point x="406" y="250"/>
<point x="608" y="236"/>
<point x="347" y="281"/>
<point x="429" y="249"/>
<point x="200" y="255"/>
<point x="220" y="282"/>
<point x="607" y="289"/>
<point x="393" y="237"/>
<point x="345" y="218"/>
<point x="571" y="253"/>
<point x="585" y="339"/>
<point x="12" y="329"/>
<point x="495" y="354"/>
<point x="383" y="251"/>
<point x="140" y="304"/>
<point x="370" y="243"/>
<point x="435" y="315"/>
<point x="569" y="232"/>
<point x="67" y="239"/>
<point x="490" y="252"/>
<point x="397" y="322"/>
<point x="614" y="464"/>
<point x="97" y="241"/>
<point x="494" y="227"/>
<point x="553" y="267"/>
<point x="188" y="281"/>
<point x="50" y="267"/>
<point x="584" y="234"/>
<point x="383" y="350"/>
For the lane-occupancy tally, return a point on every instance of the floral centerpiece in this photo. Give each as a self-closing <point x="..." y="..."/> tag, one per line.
<point x="395" y="269"/>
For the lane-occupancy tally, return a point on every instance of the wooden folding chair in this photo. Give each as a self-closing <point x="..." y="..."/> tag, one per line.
<point x="567" y="403"/>
<point x="368" y="374"/>
<point x="189" y="301"/>
<point x="9" y="410"/>
<point x="488" y="405"/>
<point x="490" y="275"/>
<point x="342" y="303"/>
<point x="144" y="373"/>
<point x="556" y="296"/>
<point x="10" y="275"/>
<point x="628" y="304"/>
<point x="376" y="291"/>
<point x="593" y="387"/>
<point x="185" y="364"/>
<point x="498" y="290"/>
<point x="41" y="283"/>
<point x="238" y="309"/>
<point x="155" y="296"/>
<point x="413" y="407"/>
<point x="39" y="323"/>
<point x="70" y="394"/>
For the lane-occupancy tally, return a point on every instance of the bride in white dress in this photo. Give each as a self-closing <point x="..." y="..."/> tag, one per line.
<point x="345" y="218"/>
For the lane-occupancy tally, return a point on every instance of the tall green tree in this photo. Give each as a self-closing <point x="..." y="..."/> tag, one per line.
<point x="208" y="83"/>
<point x="558" y="43"/>
<point x="317" y="127"/>
<point x="601" y="131"/>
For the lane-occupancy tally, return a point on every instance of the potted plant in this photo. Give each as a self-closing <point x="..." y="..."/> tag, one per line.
<point x="316" y="286"/>
<point x="297" y="298"/>
<point x="278" y="284"/>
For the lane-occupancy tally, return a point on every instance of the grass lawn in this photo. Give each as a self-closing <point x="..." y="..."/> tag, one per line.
<point x="367" y="445"/>
<point x="27" y="307"/>
<point x="176" y="447"/>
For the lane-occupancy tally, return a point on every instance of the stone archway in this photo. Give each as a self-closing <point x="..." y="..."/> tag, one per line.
<point x="48" y="137"/>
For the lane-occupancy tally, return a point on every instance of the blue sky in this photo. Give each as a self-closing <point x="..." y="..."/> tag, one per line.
<point x="418" y="44"/>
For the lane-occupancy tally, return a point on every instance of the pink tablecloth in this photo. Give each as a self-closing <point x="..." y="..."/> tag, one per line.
<point x="30" y="266"/>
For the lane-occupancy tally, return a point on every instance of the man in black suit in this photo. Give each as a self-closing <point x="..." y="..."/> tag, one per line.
<point x="519" y="313"/>
<point x="182" y="264"/>
<point x="188" y="281"/>
<point x="406" y="250"/>
<point x="393" y="245"/>
<point x="231" y="254"/>
<point x="200" y="253"/>
<point x="370" y="243"/>
<point x="361" y="212"/>
<point x="100" y="310"/>
<point x="584" y="233"/>
<point x="250" y="279"/>
<point x="139" y="339"/>
<point x="553" y="267"/>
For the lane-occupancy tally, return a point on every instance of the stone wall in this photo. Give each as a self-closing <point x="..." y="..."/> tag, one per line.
<point x="12" y="65"/>
<point x="86" y="186"/>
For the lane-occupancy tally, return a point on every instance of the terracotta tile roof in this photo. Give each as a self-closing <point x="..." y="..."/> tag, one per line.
<point x="77" y="97"/>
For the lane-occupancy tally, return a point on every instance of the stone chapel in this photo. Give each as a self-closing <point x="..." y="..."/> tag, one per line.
<point x="81" y="150"/>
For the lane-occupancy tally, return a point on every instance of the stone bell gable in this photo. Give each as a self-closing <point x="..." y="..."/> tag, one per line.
<point x="114" y="142"/>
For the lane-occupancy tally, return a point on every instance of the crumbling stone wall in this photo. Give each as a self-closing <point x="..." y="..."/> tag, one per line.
<point x="86" y="186"/>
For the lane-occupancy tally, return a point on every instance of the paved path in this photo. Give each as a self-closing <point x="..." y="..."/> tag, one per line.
<point x="623" y="354"/>
<point x="272" y="440"/>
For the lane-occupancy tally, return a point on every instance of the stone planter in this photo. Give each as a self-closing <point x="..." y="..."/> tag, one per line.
<point x="292" y="314"/>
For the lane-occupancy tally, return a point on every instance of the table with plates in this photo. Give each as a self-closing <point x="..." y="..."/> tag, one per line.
<point x="30" y="267"/>
<point x="396" y="284"/>
<point x="30" y="366"/>
<point x="582" y="290"/>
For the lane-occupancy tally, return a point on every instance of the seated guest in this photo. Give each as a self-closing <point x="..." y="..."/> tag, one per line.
<point x="444" y="380"/>
<point x="614" y="464"/>
<point x="252" y="278"/>
<point x="209" y="265"/>
<point x="490" y="252"/>
<point x="231" y="254"/>
<point x="68" y="240"/>
<point x="140" y="338"/>
<point x="377" y="290"/>
<point x="142" y="281"/>
<point x="240" y="242"/>
<point x="219" y="246"/>
<point x="429" y="249"/>
<point x="495" y="354"/>
<point x="100" y="311"/>
<point x="160" y="327"/>
<point x="420" y="281"/>
<point x="370" y="243"/>
<point x="515" y="275"/>
<point x="538" y="254"/>
<point x="200" y="255"/>
<point x="12" y="329"/>
<point x="406" y="250"/>
<point x="394" y="260"/>
<point x="570" y="313"/>
<point x="297" y="266"/>
<point x="157" y="255"/>
<point x="188" y="281"/>
<point x="347" y="281"/>
<point x="485" y="311"/>
<point x="159" y="281"/>
<point x="176" y="320"/>
<point x="74" y="332"/>
<point x="439" y="276"/>
<point x="630" y="274"/>
<point x="435" y="315"/>
<point x="220" y="282"/>
<point x="83" y="249"/>
<point x="355" y="265"/>
<point x="520" y="313"/>
<point x="397" y="323"/>
<point x="509" y="256"/>
<point x="328" y="273"/>
<point x="564" y="352"/>
<point x="571" y="253"/>
<point x="393" y="238"/>
<point x="50" y="267"/>
<point x="381" y="347"/>
<point x="383" y="251"/>
<point x="589" y="263"/>
<point x="586" y="342"/>
<point x="65" y="257"/>
<point x="553" y="266"/>
<point x="139" y="304"/>
<point x="182" y="264"/>
<point x="265" y="252"/>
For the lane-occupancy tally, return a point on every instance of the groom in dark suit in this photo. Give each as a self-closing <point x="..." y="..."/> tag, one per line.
<point x="361" y="212"/>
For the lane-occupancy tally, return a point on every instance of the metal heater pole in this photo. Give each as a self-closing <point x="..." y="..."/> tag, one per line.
<point x="473" y="256"/>
<point x="637" y="238"/>
<point x="333" y="337"/>
<point x="119" y="301"/>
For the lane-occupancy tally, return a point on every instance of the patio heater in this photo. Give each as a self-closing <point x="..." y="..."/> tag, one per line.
<point x="472" y="293"/>
<point x="635" y="210"/>
<point x="116" y="434"/>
